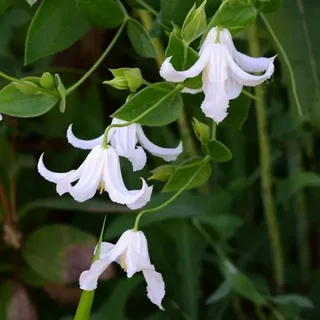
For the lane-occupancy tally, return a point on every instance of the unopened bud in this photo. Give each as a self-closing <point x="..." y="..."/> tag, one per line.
<point x="27" y="87"/>
<point x="201" y="130"/>
<point x="126" y="78"/>
<point x="47" y="81"/>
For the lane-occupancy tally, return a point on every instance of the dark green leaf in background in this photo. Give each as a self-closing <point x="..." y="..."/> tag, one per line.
<point x="4" y="5"/>
<point x="102" y="13"/>
<point x="46" y="250"/>
<point x="269" y="6"/>
<point x="15" y="103"/>
<point x="140" y="39"/>
<point x="56" y="25"/>
<point x="167" y="112"/>
<point x="293" y="299"/>
<point x="175" y="11"/>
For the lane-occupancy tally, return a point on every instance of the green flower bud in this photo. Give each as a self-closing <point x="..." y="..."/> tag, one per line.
<point x="162" y="173"/>
<point x="126" y="78"/>
<point x="27" y="87"/>
<point x="201" y="130"/>
<point x="47" y="81"/>
<point x="195" y="23"/>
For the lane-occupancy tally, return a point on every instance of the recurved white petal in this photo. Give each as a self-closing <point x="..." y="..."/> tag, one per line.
<point x="116" y="188"/>
<point x="137" y="157"/>
<point x="155" y="286"/>
<point x="89" y="279"/>
<point x="83" y="144"/>
<point x="56" y="176"/>
<point x="91" y="177"/>
<point x="245" y="78"/>
<point x="168" y="72"/>
<point x="215" y="106"/>
<point x="167" y="154"/>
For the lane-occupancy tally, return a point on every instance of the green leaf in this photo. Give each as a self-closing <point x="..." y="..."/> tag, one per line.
<point x="185" y="207"/>
<point x="102" y="13"/>
<point x="201" y="130"/>
<point x="62" y="90"/>
<point x="185" y="171"/>
<point x="302" y="52"/>
<point x="237" y="112"/>
<point x="176" y="50"/>
<point x="15" y="103"/>
<point x="115" y="306"/>
<point x="293" y="299"/>
<point x="195" y="23"/>
<point x="32" y="2"/>
<point x="222" y="292"/>
<point x="269" y="6"/>
<point x="294" y="183"/>
<point x="140" y="39"/>
<point x="46" y="250"/>
<point x="233" y="17"/>
<point x="175" y="11"/>
<point x="4" y="5"/>
<point x="218" y="151"/>
<point x="56" y="26"/>
<point x="162" y="173"/>
<point x="189" y="247"/>
<point x="166" y="112"/>
<point x="242" y="285"/>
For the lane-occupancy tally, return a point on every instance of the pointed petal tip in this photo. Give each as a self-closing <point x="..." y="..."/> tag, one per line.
<point x="168" y="72"/>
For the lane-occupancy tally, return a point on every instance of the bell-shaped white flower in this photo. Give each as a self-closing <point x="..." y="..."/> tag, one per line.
<point x="100" y="170"/>
<point x="131" y="252"/>
<point x="124" y="140"/>
<point x="225" y="72"/>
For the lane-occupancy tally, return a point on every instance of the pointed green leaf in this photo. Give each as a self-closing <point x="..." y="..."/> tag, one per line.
<point x="62" y="90"/>
<point x="140" y="39"/>
<point x="102" y="13"/>
<point x="56" y="25"/>
<point x="218" y="151"/>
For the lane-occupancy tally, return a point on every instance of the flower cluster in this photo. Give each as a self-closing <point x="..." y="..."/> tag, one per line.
<point x="224" y="73"/>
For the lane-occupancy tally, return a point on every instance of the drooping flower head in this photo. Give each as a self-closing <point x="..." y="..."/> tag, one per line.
<point x="124" y="140"/>
<point x="100" y="171"/>
<point x="131" y="252"/>
<point x="225" y="72"/>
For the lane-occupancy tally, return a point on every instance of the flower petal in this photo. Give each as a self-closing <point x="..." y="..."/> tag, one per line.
<point x="137" y="255"/>
<point x="137" y="157"/>
<point x="167" y="154"/>
<point x="116" y="188"/>
<point x="83" y="144"/>
<point x="233" y="88"/>
<point x="91" y="176"/>
<point x="245" y="78"/>
<point x="214" y="77"/>
<point x="191" y="91"/>
<point x="155" y="287"/>
<point x="168" y="72"/>
<point x="89" y="279"/>
<point x="105" y="249"/>
<point x="55" y="177"/>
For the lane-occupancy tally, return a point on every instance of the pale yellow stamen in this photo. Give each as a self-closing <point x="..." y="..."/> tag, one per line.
<point x="123" y="263"/>
<point x="101" y="187"/>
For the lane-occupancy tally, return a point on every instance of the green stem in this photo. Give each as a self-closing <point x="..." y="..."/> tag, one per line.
<point x="175" y="196"/>
<point x="98" y="62"/>
<point x="45" y="91"/>
<point x="266" y="175"/>
<point x="148" y="8"/>
<point x="250" y="95"/>
<point x="142" y="115"/>
<point x="287" y="62"/>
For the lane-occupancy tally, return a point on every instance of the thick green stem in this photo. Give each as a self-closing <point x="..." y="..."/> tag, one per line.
<point x="98" y="62"/>
<point x="266" y="174"/>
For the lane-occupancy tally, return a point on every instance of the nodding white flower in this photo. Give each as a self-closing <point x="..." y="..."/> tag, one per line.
<point x="100" y="170"/>
<point x="131" y="252"/>
<point x="1" y="117"/>
<point x="124" y="140"/>
<point x="225" y="72"/>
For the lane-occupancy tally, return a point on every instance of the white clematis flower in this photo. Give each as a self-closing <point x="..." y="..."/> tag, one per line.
<point x="100" y="170"/>
<point x="131" y="252"/>
<point x="225" y="72"/>
<point x="124" y="140"/>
